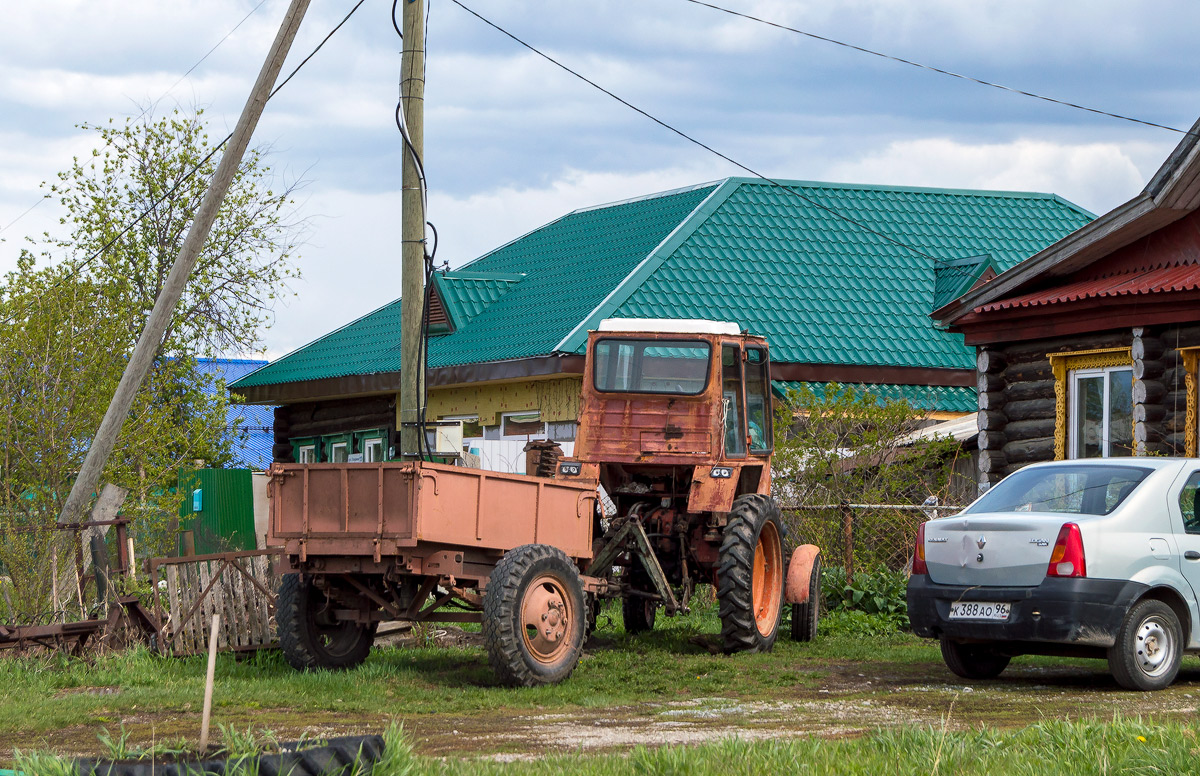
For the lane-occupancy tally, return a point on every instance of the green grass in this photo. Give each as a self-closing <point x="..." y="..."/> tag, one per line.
<point x="1051" y="748"/>
<point x="1069" y="748"/>
<point x="48" y="694"/>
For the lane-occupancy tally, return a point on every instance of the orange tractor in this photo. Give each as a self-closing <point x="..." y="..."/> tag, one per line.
<point x="669" y="486"/>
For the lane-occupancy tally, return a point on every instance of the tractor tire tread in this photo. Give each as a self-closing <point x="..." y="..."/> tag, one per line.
<point x="735" y="573"/>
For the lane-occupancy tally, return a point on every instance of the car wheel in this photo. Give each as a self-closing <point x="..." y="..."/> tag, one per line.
<point x="973" y="661"/>
<point x="1148" y="649"/>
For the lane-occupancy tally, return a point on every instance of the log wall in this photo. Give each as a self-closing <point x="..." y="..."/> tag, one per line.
<point x="314" y="419"/>
<point x="1017" y="403"/>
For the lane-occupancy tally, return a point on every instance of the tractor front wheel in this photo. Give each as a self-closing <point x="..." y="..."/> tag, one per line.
<point x="533" y="616"/>
<point x="309" y="635"/>
<point x="750" y="575"/>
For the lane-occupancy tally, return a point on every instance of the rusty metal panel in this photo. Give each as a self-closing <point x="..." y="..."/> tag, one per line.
<point x="710" y="493"/>
<point x="476" y="508"/>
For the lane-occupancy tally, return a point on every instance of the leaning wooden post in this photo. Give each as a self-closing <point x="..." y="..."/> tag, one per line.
<point x="208" y="683"/>
<point x="151" y="337"/>
<point x="848" y="540"/>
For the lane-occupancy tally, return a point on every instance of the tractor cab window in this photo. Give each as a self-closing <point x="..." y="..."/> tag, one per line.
<point x="731" y="407"/>
<point x="650" y="366"/>
<point x="758" y="400"/>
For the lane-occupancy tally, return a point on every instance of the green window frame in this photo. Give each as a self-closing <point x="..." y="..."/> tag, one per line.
<point x="364" y="438"/>
<point x="299" y="444"/>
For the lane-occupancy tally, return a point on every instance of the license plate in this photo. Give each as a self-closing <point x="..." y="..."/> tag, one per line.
<point x="979" y="610"/>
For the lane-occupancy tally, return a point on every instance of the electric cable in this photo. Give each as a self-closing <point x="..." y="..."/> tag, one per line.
<point x="782" y="187"/>
<point x="931" y="68"/>
<point x="187" y="176"/>
<point x="190" y="70"/>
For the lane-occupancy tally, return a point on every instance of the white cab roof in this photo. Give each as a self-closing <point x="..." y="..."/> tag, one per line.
<point x="669" y="325"/>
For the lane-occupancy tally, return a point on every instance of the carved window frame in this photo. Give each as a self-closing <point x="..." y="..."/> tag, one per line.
<point x="1062" y="364"/>
<point x="1191" y="363"/>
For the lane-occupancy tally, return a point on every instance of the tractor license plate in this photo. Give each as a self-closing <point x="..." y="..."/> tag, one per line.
<point x="979" y="610"/>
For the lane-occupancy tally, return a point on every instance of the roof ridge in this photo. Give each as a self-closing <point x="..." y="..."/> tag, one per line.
<point x="668" y="193"/>
<point x="915" y="189"/>
<point x="646" y="267"/>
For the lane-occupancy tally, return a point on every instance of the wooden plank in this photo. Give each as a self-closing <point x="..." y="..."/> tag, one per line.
<point x="172" y="574"/>
<point x="205" y="612"/>
<point x="241" y="613"/>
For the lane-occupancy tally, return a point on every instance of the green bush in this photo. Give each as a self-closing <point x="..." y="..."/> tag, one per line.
<point x="874" y="592"/>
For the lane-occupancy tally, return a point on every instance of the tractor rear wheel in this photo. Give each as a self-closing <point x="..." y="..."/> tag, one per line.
<point x="750" y="575"/>
<point x="309" y="635"/>
<point x="533" y="616"/>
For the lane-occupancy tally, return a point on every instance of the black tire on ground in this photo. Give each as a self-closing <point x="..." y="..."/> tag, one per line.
<point x="533" y="616"/>
<point x="309" y="635"/>
<point x="973" y="661"/>
<point x="805" y="616"/>
<point x="1149" y="647"/>
<point x="750" y="575"/>
<point x="637" y="612"/>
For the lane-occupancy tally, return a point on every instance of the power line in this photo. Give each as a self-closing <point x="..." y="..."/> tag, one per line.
<point x="197" y="64"/>
<point x="933" y="69"/>
<point x="789" y="190"/>
<point x="86" y="262"/>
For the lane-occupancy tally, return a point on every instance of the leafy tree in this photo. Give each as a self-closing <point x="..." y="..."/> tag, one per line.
<point x="848" y="445"/>
<point x="244" y="265"/>
<point x="72" y="313"/>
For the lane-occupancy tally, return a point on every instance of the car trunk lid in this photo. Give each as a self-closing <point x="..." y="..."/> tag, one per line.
<point x="991" y="550"/>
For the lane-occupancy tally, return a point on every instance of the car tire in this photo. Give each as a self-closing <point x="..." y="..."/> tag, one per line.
<point x="973" y="661"/>
<point x="309" y="635"/>
<point x="807" y="615"/>
<point x="1149" y="647"/>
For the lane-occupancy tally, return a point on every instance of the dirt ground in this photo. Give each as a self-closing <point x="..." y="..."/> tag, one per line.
<point x="831" y="700"/>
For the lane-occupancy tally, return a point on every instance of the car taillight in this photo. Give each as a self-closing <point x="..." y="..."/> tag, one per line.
<point x="1067" y="559"/>
<point x="918" y="566"/>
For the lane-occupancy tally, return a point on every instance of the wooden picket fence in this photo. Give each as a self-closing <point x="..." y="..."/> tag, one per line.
<point x="238" y="586"/>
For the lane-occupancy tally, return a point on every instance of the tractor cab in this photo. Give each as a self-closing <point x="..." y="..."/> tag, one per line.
<point x="678" y="393"/>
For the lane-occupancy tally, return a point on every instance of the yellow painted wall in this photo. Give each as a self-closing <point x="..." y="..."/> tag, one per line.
<point x="556" y="398"/>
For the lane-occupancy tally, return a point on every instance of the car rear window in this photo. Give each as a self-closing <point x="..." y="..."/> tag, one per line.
<point x="1076" y="490"/>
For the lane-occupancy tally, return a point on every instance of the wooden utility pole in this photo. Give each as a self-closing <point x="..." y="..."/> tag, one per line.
<point x="156" y="325"/>
<point x="412" y="228"/>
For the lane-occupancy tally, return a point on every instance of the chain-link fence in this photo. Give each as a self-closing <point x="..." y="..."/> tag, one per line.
<point x="860" y="536"/>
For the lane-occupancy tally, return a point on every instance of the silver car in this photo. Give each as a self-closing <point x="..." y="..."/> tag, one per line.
<point x="1091" y="558"/>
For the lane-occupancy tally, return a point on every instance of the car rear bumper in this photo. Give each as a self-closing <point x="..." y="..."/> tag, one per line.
<point x="1084" y="612"/>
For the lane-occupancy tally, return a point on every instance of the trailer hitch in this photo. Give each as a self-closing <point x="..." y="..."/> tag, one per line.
<point x="632" y="532"/>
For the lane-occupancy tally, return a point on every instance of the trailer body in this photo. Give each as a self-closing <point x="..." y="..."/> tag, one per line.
<point x="421" y="518"/>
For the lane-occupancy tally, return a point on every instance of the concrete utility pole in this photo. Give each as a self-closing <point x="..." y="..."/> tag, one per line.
<point x="156" y="325"/>
<point x="412" y="228"/>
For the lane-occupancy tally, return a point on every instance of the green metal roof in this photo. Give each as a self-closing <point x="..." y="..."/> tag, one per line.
<point x="952" y="279"/>
<point x="935" y="398"/>
<point x="789" y="261"/>
<point x="784" y="261"/>
<point x="466" y="294"/>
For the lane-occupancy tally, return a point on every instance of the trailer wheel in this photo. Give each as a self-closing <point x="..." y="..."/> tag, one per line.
<point x="309" y="635"/>
<point x="806" y="615"/>
<point x="533" y="616"/>
<point x="750" y="575"/>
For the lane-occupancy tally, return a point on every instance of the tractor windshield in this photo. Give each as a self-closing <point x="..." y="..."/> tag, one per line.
<point x="650" y="366"/>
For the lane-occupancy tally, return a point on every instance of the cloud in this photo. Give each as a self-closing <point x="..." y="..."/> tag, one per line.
<point x="1097" y="176"/>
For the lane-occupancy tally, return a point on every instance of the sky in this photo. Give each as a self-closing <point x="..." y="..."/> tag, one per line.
<point x="513" y="142"/>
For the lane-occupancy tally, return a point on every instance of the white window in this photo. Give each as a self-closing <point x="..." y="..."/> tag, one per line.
<point x="307" y="453"/>
<point x="372" y="450"/>
<point x="1101" y="412"/>
<point x="339" y="452"/>
<point x="522" y="425"/>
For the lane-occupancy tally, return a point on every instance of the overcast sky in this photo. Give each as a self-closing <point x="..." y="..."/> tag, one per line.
<point x="512" y="142"/>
